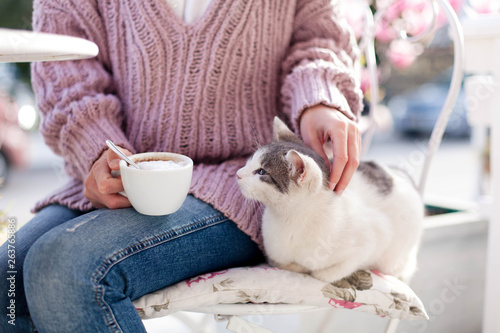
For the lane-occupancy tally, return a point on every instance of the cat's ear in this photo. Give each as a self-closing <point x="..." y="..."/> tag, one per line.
<point x="297" y="166"/>
<point x="282" y="133"/>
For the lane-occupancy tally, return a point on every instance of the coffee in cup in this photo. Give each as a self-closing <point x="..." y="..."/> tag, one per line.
<point x="161" y="184"/>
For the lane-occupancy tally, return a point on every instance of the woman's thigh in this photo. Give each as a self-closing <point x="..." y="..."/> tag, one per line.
<point x="96" y="264"/>
<point x="47" y="219"/>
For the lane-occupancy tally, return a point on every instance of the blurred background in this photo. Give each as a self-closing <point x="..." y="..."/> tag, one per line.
<point x="414" y="81"/>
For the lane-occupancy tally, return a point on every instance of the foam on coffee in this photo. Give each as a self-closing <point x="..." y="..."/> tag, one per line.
<point x="161" y="165"/>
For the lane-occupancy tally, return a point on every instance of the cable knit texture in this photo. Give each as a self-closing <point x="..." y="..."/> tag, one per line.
<point x="208" y="90"/>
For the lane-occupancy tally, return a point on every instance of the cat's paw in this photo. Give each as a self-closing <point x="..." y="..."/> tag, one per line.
<point x="294" y="267"/>
<point x="329" y="275"/>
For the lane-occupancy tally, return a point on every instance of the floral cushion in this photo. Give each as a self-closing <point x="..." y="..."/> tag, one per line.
<point x="367" y="291"/>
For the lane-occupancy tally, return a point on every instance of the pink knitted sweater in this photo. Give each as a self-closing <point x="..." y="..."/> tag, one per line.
<point x="208" y="90"/>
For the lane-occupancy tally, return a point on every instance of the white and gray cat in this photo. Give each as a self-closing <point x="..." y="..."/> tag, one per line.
<point x="307" y="228"/>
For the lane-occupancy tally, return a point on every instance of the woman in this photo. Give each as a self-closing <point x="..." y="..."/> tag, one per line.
<point x="204" y="81"/>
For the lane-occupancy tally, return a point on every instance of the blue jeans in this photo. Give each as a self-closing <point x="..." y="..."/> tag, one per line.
<point x="83" y="274"/>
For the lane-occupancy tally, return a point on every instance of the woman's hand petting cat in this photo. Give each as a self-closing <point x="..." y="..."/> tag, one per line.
<point x="101" y="188"/>
<point x="321" y="123"/>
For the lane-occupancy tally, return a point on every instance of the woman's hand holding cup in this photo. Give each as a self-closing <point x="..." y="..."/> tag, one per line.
<point x="101" y="188"/>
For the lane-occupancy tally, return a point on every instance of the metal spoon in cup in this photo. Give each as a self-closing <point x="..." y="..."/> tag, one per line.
<point x="114" y="148"/>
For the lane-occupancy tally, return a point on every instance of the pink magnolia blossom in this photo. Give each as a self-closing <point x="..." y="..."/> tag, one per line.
<point x="394" y="10"/>
<point x="485" y="6"/>
<point x="355" y="15"/>
<point x="456" y="5"/>
<point x="365" y="79"/>
<point x="417" y="19"/>
<point x="385" y="32"/>
<point x="402" y="53"/>
<point x="414" y="17"/>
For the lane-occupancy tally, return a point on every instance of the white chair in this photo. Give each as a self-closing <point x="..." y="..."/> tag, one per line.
<point x="263" y="290"/>
<point x="28" y="46"/>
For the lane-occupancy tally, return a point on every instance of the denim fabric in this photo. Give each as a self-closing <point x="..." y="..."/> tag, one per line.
<point x="45" y="220"/>
<point x="82" y="275"/>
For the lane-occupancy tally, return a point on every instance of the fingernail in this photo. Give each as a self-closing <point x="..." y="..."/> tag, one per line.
<point x="339" y="193"/>
<point x="332" y="186"/>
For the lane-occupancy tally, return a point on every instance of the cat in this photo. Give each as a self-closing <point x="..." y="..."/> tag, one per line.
<point x="374" y="225"/>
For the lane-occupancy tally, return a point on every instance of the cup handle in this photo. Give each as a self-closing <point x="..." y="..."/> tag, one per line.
<point x="116" y="173"/>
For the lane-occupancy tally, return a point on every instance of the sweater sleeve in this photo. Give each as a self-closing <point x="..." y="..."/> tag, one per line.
<point x="322" y="63"/>
<point x="77" y="99"/>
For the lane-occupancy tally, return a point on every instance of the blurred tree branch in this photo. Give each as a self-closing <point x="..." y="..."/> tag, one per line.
<point x="16" y="14"/>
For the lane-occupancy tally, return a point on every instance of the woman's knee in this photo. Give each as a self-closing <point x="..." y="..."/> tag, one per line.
<point x="55" y="264"/>
<point x="46" y="262"/>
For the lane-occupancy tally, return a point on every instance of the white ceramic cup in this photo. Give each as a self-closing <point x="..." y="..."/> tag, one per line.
<point x="157" y="192"/>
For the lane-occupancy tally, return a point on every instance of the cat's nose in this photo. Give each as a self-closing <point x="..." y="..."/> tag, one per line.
<point x="238" y="175"/>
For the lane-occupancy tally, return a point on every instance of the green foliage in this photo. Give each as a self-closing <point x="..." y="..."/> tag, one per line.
<point x="16" y="14"/>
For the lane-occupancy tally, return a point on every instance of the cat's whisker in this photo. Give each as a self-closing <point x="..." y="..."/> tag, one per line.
<point x="260" y="207"/>
<point x="251" y="203"/>
<point x="255" y="205"/>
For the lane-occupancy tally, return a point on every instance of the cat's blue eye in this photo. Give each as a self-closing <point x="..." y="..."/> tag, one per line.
<point x="261" y="172"/>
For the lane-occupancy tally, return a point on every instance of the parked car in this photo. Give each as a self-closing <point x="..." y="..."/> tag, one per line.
<point x="13" y="139"/>
<point x="416" y="112"/>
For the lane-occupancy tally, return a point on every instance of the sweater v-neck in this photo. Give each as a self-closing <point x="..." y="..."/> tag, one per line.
<point x="208" y="89"/>
<point x="197" y="24"/>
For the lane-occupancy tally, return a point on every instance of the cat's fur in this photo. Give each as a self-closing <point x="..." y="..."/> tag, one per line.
<point x="306" y="227"/>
